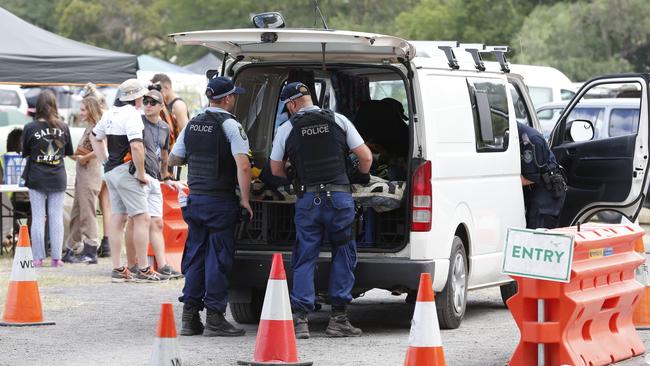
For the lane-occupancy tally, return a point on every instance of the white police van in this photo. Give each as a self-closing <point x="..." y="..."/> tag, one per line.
<point x="457" y="152"/>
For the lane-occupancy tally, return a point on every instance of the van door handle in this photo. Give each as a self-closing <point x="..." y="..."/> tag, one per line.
<point x="571" y="151"/>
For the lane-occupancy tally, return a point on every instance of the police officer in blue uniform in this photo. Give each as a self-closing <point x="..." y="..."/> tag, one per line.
<point x="215" y="147"/>
<point x="316" y="143"/>
<point x="542" y="179"/>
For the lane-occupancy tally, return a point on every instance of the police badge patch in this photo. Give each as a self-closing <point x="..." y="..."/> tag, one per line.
<point x="528" y="156"/>
<point x="242" y="133"/>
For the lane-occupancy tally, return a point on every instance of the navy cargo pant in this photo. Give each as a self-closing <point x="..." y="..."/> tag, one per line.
<point x="209" y="251"/>
<point x="316" y="215"/>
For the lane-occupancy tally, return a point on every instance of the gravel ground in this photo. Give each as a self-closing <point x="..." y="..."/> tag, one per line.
<point x="101" y="323"/>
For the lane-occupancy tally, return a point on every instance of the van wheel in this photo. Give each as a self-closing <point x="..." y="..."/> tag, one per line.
<point x="452" y="301"/>
<point x="507" y="291"/>
<point x="248" y="312"/>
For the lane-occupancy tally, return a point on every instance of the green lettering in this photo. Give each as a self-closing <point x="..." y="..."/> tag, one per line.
<point x="559" y="255"/>
<point x="516" y="251"/>
<point x="548" y="256"/>
<point x="528" y="252"/>
<point x="538" y="251"/>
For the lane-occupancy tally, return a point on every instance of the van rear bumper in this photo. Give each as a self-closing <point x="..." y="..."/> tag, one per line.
<point x="252" y="271"/>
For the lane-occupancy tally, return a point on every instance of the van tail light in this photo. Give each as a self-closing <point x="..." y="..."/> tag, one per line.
<point x="421" y="198"/>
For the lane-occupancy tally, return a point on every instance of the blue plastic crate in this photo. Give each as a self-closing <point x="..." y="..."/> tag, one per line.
<point x="13" y="168"/>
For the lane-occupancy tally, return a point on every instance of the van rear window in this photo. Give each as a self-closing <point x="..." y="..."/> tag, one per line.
<point x="490" y="110"/>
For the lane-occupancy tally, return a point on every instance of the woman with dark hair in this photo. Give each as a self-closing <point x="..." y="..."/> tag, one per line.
<point x="88" y="181"/>
<point x="46" y="142"/>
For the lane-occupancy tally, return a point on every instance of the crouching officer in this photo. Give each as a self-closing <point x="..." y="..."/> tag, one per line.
<point x="215" y="148"/>
<point x="316" y="142"/>
<point x="542" y="179"/>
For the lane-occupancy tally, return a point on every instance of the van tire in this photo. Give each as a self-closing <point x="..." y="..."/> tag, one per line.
<point x="248" y="312"/>
<point x="507" y="291"/>
<point x="452" y="301"/>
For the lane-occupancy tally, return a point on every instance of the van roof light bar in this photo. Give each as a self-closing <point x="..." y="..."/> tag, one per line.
<point x="475" y="50"/>
<point x="500" y="53"/>
<point x="448" y="49"/>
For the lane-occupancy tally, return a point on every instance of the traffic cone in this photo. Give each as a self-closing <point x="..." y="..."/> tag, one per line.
<point x="641" y="315"/>
<point x="165" y="347"/>
<point x="23" y="305"/>
<point x="276" y="339"/>
<point x="425" y="345"/>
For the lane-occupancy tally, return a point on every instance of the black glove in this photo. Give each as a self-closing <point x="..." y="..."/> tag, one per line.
<point x="359" y="178"/>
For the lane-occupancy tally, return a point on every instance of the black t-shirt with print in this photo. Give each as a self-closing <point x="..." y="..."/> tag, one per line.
<point x="46" y="147"/>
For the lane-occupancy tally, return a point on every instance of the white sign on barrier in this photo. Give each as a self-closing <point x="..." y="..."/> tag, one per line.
<point x="538" y="254"/>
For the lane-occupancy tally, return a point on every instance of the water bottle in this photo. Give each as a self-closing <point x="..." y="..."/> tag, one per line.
<point x="182" y="198"/>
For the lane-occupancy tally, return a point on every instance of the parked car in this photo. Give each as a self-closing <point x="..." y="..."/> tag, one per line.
<point x="13" y="97"/>
<point x="460" y="145"/>
<point x="545" y="84"/>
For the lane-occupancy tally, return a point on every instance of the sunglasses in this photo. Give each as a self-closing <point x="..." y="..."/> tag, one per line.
<point x="150" y="102"/>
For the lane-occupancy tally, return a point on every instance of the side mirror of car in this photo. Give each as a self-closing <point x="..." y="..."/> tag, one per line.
<point x="580" y="130"/>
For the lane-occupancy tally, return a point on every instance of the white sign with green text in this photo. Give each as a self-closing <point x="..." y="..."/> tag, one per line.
<point x="538" y="254"/>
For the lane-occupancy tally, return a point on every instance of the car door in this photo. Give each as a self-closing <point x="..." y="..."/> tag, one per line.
<point x="607" y="173"/>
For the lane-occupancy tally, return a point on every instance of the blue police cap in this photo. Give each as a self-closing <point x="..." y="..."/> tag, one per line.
<point x="293" y="91"/>
<point x="219" y="87"/>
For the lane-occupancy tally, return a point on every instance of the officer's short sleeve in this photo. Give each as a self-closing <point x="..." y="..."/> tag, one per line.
<point x="279" y="143"/>
<point x="179" y="146"/>
<point x="236" y="136"/>
<point x="353" y="138"/>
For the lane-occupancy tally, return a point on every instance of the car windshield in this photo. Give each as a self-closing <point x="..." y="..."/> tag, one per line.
<point x="9" y="98"/>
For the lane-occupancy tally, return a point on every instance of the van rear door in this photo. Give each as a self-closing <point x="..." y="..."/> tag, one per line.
<point x="609" y="173"/>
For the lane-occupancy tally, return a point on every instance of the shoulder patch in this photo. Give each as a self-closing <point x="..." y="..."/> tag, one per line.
<point x="528" y="156"/>
<point x="242" y="133"/>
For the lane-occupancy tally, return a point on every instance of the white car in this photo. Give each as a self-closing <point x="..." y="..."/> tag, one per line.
<point x="13" y="97"/>
<point x="458" y="148"/>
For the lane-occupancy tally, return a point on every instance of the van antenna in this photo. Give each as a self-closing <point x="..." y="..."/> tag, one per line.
<point x="320" y="14"/>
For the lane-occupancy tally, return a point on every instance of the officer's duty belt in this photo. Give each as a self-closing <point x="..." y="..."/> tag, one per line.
<point x="329" y="188"/>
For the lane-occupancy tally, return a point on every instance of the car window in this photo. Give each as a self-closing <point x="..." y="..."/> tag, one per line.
<point x="9" y="98"/>
<point x="389" y="89"/>
<point x="623" y="121"/>
<point x="566" y="94"/>
<point x="521" y="112"/>
<point x="593" y="114"/>
<point x="490" y="110"/>
<point x="548" y="118"/>
<point x="540" y="95"/>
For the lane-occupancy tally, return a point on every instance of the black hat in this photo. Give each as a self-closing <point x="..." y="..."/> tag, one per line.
<point x="219" y="87"/>
<point x="293" y="91"/>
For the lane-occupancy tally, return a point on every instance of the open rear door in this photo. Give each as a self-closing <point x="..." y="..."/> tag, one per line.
<point x="604" y="151"/>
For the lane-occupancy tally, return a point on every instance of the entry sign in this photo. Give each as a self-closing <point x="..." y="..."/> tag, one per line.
<point x="538" y="254"/>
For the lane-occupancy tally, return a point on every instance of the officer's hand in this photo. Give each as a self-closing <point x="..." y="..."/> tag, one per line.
<point x="246" y="205"/>
<point x="359" y="178"/>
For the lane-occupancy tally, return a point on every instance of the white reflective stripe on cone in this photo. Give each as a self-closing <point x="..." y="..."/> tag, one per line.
<point x="276" y="301"/>
<point x="23" y="268"/>
<point x="165" y="352"/>
<point x="425" y="331"/>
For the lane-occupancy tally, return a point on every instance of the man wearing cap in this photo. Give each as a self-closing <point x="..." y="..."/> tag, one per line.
<point x="215" y="147"/>
<point x="156" y="144"/>
<point x="127" y="181"/>
<point x="316" y="143"/>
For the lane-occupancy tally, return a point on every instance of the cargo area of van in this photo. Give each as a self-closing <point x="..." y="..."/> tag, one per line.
<point x="375" y="100"/>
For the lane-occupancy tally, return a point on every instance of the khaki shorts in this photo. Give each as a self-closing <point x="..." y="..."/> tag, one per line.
<point x="127" y="194"/>
<point x="155" y="198"/>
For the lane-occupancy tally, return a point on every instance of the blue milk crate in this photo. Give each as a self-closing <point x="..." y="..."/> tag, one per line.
<point x="13" y="168"/>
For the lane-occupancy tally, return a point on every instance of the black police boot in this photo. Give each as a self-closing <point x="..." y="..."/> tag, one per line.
<point x="301" y="325"/>
<point x="191" y="321"/>
<point x="69" y="257"/>
<point x="339" y="325"/>
<point x="88" y="254"/>
<point x="104" y="250"/>
<point x="217" y="326"/>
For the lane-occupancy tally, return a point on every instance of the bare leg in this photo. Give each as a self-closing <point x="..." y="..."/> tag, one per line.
<point x="115" y="235"/>
<point x="105" y="205"/>
<point x="141" y="237"/>
<point x="157" y="240"/>
<point x="130" y="245"/>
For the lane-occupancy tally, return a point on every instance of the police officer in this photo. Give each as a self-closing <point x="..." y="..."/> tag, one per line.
<point x="316" y="143"/>
<point x="215" y="147"/>
<point x="543" y="182"/>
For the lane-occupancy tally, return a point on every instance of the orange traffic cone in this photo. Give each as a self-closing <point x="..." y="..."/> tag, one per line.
<point x="276" y="339"/>
<point x="425" y="345"/>
<point x="165" y="347"/>
<point x="641" y="316"/>
<point x="23" y="305"/>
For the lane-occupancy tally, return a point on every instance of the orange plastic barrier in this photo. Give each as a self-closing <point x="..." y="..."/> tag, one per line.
<point x="174" y="228"/>
<point x="587" y="321"/>
<point x="641" y="316"/>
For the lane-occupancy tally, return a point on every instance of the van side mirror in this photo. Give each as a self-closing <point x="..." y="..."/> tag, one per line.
<point x="580" y="130"/>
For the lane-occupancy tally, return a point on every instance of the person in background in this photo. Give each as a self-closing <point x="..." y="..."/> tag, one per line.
<point x="19" y="200"/>
<point x="156" y="144"/>
<point x="176" y="107"/>
<point x="83" y="223"/>
<point x="104" y="250"/>
<point x="46" y="141"/>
